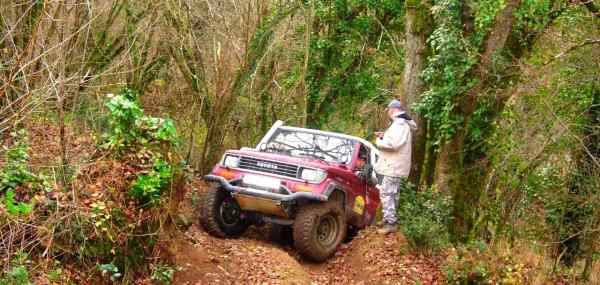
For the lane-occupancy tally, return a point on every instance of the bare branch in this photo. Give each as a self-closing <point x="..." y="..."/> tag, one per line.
<point x="572" y="48"/>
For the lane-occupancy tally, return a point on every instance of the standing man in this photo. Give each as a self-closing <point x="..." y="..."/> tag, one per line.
<point x="394" y="162"/>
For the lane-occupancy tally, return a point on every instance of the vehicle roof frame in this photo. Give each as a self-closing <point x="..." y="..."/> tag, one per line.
<point x="279" y="125"/>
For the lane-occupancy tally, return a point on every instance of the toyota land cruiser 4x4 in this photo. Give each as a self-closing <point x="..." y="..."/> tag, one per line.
<point x="314" y="183"/>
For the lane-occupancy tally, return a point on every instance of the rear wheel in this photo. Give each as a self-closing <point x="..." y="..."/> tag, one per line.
<point x="319" y="229"/>
<point x="220" y="214"/>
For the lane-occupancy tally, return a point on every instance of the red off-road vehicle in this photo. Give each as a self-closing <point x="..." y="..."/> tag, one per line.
<point x="312" y="183"/>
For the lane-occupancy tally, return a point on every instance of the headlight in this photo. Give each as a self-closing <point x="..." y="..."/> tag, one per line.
<point x="313" y="175"/>
<point x="231" y="161"/>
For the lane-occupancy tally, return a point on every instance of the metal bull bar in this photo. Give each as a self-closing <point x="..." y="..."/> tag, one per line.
<point x="265" y="194"/>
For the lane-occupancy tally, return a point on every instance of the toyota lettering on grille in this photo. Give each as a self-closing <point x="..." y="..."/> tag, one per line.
<point x="266" y="165"/>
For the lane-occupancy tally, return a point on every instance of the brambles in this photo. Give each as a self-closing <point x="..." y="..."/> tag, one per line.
<point x="123" y="118"/>
<point x="16" y="177"/>
<point x="57" y="275"/>
<point x="132" y="131"/>
<point x="147" y="188"/>
<point x="112" y="213"/>
<point x="159" y="129"/>
<point x="115" y="232"/>
<point x="130" y="128"/>
<point x="16" y="172"/>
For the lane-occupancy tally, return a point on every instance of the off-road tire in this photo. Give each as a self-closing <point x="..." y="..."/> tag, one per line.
<point x="212" y="220"/>
<point x="279" y="234"/>
<point x="308" y="220"/>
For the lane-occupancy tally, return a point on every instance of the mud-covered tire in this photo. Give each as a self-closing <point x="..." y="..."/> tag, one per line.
<point x="319" y="229"/>
<point x="279" y="234"/>
<point x="212" y="218"/>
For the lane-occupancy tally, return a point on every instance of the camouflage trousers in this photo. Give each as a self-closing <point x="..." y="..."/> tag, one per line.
<point x="389" y="193"/>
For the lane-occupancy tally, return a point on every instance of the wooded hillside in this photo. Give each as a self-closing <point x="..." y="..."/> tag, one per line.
<point x="112" y="111"/>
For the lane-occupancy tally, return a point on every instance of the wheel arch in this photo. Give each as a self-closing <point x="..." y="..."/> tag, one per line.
<point x="336" y="193"/>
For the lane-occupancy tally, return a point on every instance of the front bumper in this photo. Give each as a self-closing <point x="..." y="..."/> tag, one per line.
<point x="290" y="196"/>
<point x="262" y="201"/>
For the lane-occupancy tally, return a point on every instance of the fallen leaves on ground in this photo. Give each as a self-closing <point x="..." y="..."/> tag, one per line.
<point x="369" y="258"/>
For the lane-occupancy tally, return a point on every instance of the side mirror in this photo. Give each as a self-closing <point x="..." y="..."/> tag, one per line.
<point x="366" y="173"/>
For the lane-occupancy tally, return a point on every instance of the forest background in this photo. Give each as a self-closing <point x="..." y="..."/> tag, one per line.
<point x="506" y="94"/>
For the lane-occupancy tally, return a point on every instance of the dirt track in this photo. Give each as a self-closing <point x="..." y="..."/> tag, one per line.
<point x="202" y="259"/>
<point x="368" y="259"/>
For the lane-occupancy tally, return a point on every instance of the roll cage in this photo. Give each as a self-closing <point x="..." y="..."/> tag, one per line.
<point x="279" y="125"/>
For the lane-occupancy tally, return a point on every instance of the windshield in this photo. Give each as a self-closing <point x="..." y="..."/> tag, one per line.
<point x="302" y="144"/>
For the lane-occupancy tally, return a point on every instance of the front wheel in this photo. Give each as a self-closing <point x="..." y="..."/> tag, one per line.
<point x="220" y="214"/>
<point x="319" y="229"/>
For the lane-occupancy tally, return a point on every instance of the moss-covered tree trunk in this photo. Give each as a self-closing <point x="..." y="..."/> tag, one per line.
<point x="588" y="184"/>
<point x="461" y="168"/>
<point x="416" y="30"/>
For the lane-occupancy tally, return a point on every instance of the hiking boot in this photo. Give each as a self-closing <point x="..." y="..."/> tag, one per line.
<point x="387" y="229"/>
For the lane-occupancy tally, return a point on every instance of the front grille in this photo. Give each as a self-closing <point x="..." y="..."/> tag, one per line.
<point x="268" y="166"/>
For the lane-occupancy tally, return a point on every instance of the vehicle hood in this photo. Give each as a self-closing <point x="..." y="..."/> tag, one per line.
<point x="302" y="161"/>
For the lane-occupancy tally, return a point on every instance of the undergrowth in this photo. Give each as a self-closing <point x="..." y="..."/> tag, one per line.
<point x="131" y="129"/>
<point x="424" y="217"/>
<point x="148" y="187"/>
<point x="496" y="263"/>
<point x="17" y="183"/>
<point x="109" y="222"/>
<point x="149" y="138"/>
<point x="18" y="273"/>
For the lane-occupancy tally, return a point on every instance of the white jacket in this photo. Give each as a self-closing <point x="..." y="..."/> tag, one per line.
<point x="395" y="148"/>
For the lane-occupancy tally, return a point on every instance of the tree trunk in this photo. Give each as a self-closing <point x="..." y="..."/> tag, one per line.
<point x="428" y="169"/>
<point x="217" y="129"/>
<point x="589" y="166"/>
<point x="415" y="52"/>
<point x="309" y="16"/>
<point x="458" y="171"/>
<point x="442" y="169"/>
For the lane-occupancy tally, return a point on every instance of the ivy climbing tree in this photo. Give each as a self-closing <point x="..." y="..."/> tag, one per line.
<point x="346" y="37"/>
<point x="474" y="47"/>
